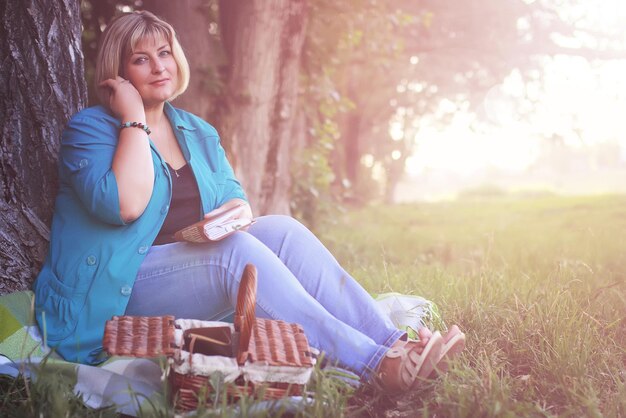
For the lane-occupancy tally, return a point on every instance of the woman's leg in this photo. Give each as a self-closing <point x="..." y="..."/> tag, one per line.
<point x="201" y="281"/>
<point x="323" y="278"/>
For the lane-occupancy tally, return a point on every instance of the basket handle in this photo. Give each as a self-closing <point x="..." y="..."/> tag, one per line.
<point x="244" y="311"/>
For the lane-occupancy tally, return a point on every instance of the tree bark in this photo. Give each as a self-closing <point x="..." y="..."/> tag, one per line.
<point x="263" y="40"/>
<point x="41" y="85"/>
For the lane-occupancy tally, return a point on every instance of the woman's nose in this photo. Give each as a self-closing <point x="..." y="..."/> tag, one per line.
<point x="158" y="67"/>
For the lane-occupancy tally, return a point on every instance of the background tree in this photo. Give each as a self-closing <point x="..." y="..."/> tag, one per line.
<point x="260" y="102"/>
<point x="41" y="86"/>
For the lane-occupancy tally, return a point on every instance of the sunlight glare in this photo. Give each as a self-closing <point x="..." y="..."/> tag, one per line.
<point x="396" y="132"/>
<point x="579" y="103"/>
<point x="465" y="152"/>
<point x="367" y="160"/>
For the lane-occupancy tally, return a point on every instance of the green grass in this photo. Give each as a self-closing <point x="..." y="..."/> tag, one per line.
<point x="537" y="284"/>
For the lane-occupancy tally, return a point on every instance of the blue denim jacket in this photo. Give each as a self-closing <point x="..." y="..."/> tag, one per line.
<point x="94" y="256"/>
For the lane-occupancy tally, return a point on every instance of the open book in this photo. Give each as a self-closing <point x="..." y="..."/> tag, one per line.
<point x="215" y="228"/>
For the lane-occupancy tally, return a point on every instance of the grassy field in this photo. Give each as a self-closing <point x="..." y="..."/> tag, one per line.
<point x="538" y="285"/>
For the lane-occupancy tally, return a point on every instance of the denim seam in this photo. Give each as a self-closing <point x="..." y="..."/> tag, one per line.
<point x="370" y="368"/>
<point x="172" y="269"/>
<point x="372" y="365"/>
<point x="395" y="336"/>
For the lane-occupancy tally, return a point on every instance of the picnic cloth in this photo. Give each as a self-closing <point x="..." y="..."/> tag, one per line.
<point x="134" y="385"/>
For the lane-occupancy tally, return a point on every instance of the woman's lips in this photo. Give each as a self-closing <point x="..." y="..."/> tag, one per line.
<point x="160" y="82"/>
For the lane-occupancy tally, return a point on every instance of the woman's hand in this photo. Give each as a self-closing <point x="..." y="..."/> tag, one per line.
<point x="124" y="100"/>
<point x="246" y="211"/>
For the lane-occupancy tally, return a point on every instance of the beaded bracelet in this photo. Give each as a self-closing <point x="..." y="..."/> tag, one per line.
<point x="136" y="125"/>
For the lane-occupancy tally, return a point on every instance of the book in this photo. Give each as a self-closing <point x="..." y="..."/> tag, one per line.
<point x="215" y="228"/>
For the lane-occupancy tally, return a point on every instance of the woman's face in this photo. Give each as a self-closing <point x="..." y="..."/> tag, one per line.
<point x="151" y="68"/>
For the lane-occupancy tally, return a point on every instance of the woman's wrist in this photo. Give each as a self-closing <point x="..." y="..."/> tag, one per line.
<point x="134" y="124"/>
<point x="136" y="119"/>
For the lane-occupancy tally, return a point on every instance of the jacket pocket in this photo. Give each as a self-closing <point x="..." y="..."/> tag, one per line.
<point x="59" y="306"/>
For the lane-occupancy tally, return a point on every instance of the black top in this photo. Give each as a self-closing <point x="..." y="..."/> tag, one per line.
<point x="184" y="206"/>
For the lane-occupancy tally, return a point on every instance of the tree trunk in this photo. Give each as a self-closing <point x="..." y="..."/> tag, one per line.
<point x="42" y="84"/>
<point x="190" y="19"/>
<point x="263" y="40"/>
<point x="352" y="148"/>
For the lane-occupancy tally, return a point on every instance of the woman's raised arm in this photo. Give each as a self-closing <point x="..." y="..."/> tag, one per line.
<point x="132" y="163"/>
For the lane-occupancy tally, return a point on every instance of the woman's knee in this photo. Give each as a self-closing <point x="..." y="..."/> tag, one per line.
<point x="241" y="241"/>
<point x="277" y="225"/>
<point x="279" y="220"/>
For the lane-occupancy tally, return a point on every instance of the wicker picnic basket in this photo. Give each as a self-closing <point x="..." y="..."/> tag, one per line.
<point x="265" y="358"/>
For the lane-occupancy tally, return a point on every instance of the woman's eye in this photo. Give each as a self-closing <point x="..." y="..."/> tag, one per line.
<point x="140" y="60"/>
<point x="165" y="53"/>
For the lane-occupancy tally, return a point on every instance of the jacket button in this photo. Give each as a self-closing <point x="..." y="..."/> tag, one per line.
<point x="82" y="163"/>
<point x="164" y="209"/>
<point x="91" y="260"/>
<point x="126" y="290"/>
<point x="142" y="250"/>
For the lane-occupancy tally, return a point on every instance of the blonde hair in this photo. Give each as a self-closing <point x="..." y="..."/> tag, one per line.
<point x="121" y="37"/>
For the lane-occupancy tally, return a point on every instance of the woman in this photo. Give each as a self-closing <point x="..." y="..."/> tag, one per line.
<point x="137" y="169"/>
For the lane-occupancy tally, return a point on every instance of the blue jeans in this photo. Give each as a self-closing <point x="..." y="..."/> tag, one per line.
<point x="298" y="281"/>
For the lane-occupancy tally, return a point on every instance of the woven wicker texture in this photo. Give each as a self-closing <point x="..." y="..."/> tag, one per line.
<point x="244" y="311"/>
<point x="139" y="336"/>
<point x="188" y="388"/>
<point x="279" y="343"/>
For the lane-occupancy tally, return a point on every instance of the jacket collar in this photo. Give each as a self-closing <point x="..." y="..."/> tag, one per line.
<point x="173" y="114"/>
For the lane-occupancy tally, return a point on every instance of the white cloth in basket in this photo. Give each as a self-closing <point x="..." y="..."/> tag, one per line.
<point x="255" y="372"/>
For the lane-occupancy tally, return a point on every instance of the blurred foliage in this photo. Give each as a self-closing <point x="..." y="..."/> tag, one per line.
<point x="348" y="43"/>
<point x="411" y="64"/>
<point x="313" y="176"/>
